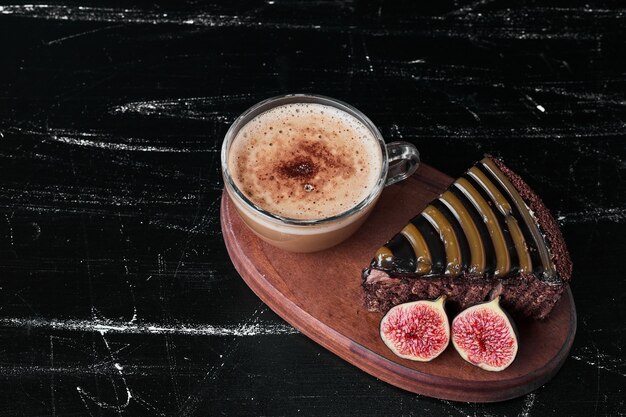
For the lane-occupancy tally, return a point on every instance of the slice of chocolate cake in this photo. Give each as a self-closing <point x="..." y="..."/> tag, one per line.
<point x="487" y="230"/>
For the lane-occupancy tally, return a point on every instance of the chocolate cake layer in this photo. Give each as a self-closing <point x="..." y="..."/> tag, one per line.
<point x="488" y="230"/>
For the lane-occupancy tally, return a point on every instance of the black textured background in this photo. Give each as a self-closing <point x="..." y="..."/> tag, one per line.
<point x="117" y="296"/>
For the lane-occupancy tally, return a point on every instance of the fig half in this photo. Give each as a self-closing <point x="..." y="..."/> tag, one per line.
<point x="485" y="336"/>
<point x="418" y="331"/>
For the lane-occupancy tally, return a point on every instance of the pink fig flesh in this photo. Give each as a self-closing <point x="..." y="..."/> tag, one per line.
<point x="418" y="331"/>
<point x="484" y="336"/>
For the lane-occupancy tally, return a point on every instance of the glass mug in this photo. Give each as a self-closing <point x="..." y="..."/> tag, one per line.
<point x="398" y="160"/>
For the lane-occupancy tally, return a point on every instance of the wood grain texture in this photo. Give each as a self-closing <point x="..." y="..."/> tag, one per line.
<point x="321" y="295"/>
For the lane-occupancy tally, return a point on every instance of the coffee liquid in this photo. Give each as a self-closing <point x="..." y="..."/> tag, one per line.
<point x="305" y="161"/>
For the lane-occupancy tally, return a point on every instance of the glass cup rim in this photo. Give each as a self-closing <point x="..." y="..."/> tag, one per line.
<point x="312" y="98"/>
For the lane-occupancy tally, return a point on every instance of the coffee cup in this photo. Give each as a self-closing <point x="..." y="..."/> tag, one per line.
<point x="305" y="171"/>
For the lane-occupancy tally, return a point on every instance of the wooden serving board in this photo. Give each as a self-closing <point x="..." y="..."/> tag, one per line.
<point x="320" y="295"/>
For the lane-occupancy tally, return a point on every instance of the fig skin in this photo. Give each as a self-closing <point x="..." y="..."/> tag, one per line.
<point x="483" y="351"/>
<point x="429" y="318"/>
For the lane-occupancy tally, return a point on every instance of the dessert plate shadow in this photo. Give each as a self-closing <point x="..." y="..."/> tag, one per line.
<point x="320" y="295"/>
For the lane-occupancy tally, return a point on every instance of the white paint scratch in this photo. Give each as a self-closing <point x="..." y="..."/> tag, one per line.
<point x="396" y="131"/>
<point x="603" y="362"/>
<point x="105" y="326"/>
<point x="103" y="404"/>
<point x="594" y="215"/>
<point x="148" y="406"/>
<point x="121" y="15"/>
<point x="534" y="103"/>
<point x="529" y="401"/>
<point x="52" y="384"/>
<point x="193" y="108"/>
<point x="80" y="34"/>
<point x="368" y="59"/>
<point x="493" y="23"/>
<point x="103" y="141"/>
<point x="154" y="17"/>
<point x="195" y="229"/>
<point x="469" y="8"/>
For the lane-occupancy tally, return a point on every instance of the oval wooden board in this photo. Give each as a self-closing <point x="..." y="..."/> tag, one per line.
<point x="320" y="295"/>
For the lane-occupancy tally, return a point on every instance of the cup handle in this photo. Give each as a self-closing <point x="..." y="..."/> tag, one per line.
<point x="403" y="159"/>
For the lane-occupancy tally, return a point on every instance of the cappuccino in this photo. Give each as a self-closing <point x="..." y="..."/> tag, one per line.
<point x="305" y="161"/>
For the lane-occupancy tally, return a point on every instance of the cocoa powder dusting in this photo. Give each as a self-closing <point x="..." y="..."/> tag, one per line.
<point x="298" y="168"/>
<point x="311" y="160"/>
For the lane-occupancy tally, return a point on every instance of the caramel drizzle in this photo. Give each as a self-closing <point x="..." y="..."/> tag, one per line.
<point x="485" y="176"/>
<point x="503" y="206"/>
<point x="503" y="261"/>
<point x="540" y="244"/>
<point x="420" y="247"/>
<point x="477" y="251"/>
<point x="384" y="257"/>
<point x="450" y="241"/>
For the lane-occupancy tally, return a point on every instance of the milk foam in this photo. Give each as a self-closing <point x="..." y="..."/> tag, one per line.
<point x="305" y="161"/>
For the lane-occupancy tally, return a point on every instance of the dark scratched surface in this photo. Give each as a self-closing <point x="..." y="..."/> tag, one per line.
<point x="117" y="296"/>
